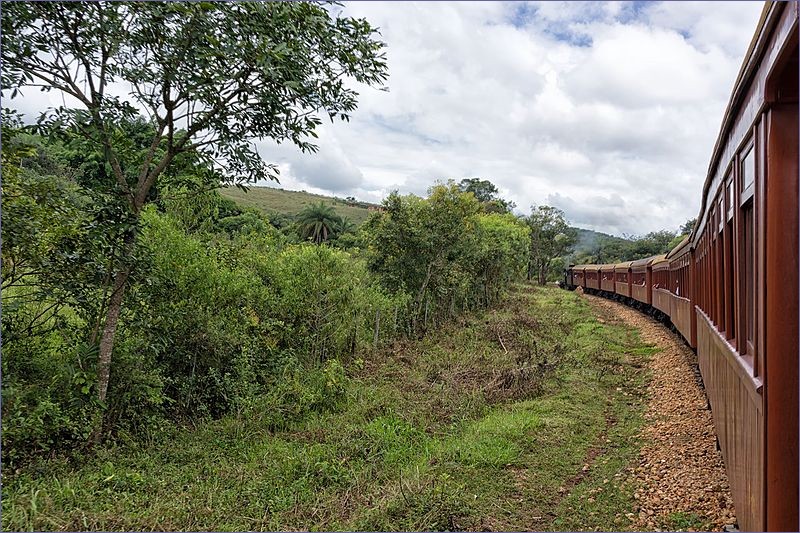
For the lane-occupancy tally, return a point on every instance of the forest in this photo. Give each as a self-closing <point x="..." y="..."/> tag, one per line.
<point x="137" y="299"/>
<point x="135" y="295"/>
<point x="223" y="311"/>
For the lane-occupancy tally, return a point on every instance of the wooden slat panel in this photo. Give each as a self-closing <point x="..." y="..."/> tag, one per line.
<point x="738" y="411"/>
<point x="661" y="300"/>
<point x="681" y="316"/>
<point x="640" y="293"/>
<point x="621" y="288"/>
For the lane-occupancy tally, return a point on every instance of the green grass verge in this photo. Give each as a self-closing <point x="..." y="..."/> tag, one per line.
<point x="520" y="418"/>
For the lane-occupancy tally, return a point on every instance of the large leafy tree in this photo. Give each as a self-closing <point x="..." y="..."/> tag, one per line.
<point x="687" y="227"/>
<point x="210" y="78"/>
<point x="419" y="245"/>
<point x="487" y="194"/>
<point x="318" y="222"/>
<point x="551" y="237"/>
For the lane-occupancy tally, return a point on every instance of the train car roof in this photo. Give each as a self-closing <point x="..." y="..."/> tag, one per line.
<point x="588" y="266"/>
<point x="683" y="247"/>
<point x="646" y="261"/>
<point x="660" y="260"/>
<point x="608" y="266"/>
<point x="748" y="69"/>
<point x="624" y="264"/>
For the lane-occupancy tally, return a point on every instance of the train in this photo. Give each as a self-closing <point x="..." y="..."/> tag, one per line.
<point x="730" y="288"/>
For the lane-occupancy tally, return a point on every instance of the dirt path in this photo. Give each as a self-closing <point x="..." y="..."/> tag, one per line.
<point x="680" y="481"/>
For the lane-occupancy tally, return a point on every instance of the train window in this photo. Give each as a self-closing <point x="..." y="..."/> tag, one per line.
<point x="729" y="199"/>
<point x="730" y="282"/>
<point x="748" y="172"/>
<point x="747" y="301"/>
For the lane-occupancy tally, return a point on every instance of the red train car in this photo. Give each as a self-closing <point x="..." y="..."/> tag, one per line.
<point x="607" y="278"/>
<point x="578" y="276"/>
<point x="622" y="279"/>
<point x="592" y="275"/>
<point x="660" y="294"/>
<point x="746" y="263"/>
<point x="641" y="279"/>
<point x="681" y="291"/>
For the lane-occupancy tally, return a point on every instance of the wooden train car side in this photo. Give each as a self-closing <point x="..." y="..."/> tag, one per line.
<point x="681" y="291"/>
<point x="622" y="279"/>
<point x="607" y="278"/>
<point x="660" y="290"/>
<point x="592" y="277"/>
<point x="731" y="288"/>
<point x="641" y="279"/>
<point x="746" y="260"/>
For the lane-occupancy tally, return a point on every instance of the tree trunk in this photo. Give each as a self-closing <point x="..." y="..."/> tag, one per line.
<point x="110" y="331"/>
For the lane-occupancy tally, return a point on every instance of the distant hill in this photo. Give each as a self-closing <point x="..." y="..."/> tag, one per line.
<point x="588" y="241"/>
<point x="273" y="200"/>
<point x="594" y="246"/>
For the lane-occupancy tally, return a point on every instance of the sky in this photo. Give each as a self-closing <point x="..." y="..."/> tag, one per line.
<point x="606" y="110"/>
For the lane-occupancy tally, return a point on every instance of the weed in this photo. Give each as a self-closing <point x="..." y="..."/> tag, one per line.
<point x="685" y="521"/>
<point x="454" y="431"/>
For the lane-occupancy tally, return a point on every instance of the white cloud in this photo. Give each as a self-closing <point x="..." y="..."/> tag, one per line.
<point x="606" y="110"/>
<point x="609" y="111"/>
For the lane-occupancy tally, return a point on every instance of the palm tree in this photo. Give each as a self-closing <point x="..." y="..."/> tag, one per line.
<point x="317" y="222"/>
<point x="345" y="226"/>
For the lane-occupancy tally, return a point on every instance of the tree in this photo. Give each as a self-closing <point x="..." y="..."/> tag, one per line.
<point x="487" y="194"/>
<point x="210" y="79"/>
<point x="551" y="237"/>
<point x="687" y="226"/>
<point x="318" y="222"/>
<point x="419" y="245"/>
<point x="654" y="243"/>
<point x="484" y="190"/>
<point x="499" y="253"/>
<point x="345" y="226"/>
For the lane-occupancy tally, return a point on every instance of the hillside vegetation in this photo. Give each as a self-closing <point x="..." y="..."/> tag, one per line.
<point x="499" y="421"/>
<point x="174" y="358"/>
<point x="272" y="200"/>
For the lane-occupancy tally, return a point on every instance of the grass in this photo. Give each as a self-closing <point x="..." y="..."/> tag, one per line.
<point x="681" y="521"/>
<point x="272" y="200"/>
<point x="523" y="417"/>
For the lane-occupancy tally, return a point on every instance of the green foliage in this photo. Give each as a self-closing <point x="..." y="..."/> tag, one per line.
<point x="610" y="249"/>
<point x="329" y="301"/>
<point x="384" y="446"/>
<point x="238" y="71"/>
<point x="486" y="192"/>
<point x="318" y="222"/>
<point x="550" y="237"/>
<point x="443" y="252"/>
<point x="499" y="252"/>
<point x="687" y="226"/>
<point x="211" y="77"/>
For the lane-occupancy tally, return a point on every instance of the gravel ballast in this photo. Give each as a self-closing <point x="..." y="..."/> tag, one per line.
<point x="680" y="479"/>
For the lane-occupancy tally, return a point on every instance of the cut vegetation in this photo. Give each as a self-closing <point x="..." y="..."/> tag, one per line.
<point x="522" y="417"/>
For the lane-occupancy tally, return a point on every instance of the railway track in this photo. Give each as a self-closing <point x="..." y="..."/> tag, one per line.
<point x="679" y="481"/>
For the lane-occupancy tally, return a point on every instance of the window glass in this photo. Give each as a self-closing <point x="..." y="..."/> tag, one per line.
<point x="729" y="195"/>
<point x="749" y="168"/>
<point x="748" y="301"/>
